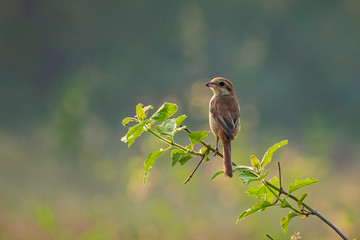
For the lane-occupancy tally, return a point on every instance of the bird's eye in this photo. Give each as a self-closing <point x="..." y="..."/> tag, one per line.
<point x="222" y="83"/>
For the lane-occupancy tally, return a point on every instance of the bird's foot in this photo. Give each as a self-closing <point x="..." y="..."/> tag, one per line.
<point x="216" y="151"/>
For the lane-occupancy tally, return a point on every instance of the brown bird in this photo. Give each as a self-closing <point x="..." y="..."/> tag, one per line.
<point x="224" y="117"/>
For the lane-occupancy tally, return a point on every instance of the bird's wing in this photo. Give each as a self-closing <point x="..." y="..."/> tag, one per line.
<point x="227" y="116"/>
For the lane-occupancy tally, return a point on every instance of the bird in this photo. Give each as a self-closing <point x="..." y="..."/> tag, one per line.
<point x="224" y="117"/>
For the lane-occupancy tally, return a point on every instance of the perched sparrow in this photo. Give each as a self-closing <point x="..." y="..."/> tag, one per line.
<point x="224" y="117"/>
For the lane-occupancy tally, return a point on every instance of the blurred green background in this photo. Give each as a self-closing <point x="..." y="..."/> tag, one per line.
<point x="72" y="70"/>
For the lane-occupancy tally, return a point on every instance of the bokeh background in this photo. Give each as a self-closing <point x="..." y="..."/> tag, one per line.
<point x="70" y="71"/>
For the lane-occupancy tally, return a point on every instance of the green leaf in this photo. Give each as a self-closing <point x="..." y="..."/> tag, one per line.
<point x="178" y="155"/>
<point x="301" y="199"/>
<point x="146" y="174"/>
<point x="151" y="158"/>
<point x="180" y="119"/>
<point x="301" y="183"/>
<point x="269" y="153"/>
<point x="185" y="158"/>
<point x="165" y="111"/>
<point x="258" y="191"/>
<point x="149" y="162"/>
<point x="198" y="136"/>
<point x="140" y="112"/>
<point x="167" y="128"/>
<point x="217" y="174"/>
<point x="275" y="181"/>
<point x="285" y="221"/>
<point x="254" y="161"/>
<point x="269" y="195"/>
<point x="247" y="177"/>
<point x="242" y="168"/>
<point x="134" y="132"/>
<point x="261" y="192"/>
<point x="260" y="206"/>
<point x="126" y="121"/>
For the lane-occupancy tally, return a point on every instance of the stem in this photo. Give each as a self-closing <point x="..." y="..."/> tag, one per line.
<point x="280" y="190"/>
<point x="269" y="237"/>
<point x="205" y="144"/>
<point x="314" y="212"/>
<point x="278" y="196"/>
<point x="279" y="180"/>
<point x="171" y="143"/>
<point x="197" y="166"/>
<point x="279" y="176"/>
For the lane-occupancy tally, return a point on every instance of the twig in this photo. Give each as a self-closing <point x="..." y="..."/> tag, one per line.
<point x="279" y="177"/>
<point x="171" y="143"/>
<point x="269" y="237"/>
<point x="311" y="210"/>
<point x="308" y="211"/>
<point x="279" y="182"/>
<point x="282" y="191"/>
<point x="204" y="143"/>
<point x="197" y="166"/>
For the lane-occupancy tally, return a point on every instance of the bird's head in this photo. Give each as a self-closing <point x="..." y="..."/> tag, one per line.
<point x="220" y="86"/>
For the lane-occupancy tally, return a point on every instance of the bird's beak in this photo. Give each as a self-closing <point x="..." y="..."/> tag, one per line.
<point x="210" y="85"/>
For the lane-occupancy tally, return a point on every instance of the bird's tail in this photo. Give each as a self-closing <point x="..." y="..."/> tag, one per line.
<point x="227" y="158"/>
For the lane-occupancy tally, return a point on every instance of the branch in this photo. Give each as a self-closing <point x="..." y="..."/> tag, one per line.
<point x="279" y="182"/>
<point x="269" y="237"/>
<point x="282" y="191"/>
<point x="168" y="128"/>
<point x="204" y="143"/>
<point x="197" y="166"/>
<point x="208" y="146"/>
<point x="312" y="211"/>
<point x="171" y="143"/>
<point x="280" y="177"/>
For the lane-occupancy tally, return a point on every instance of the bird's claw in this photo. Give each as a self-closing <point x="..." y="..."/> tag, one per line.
<point x="216" y="151"/>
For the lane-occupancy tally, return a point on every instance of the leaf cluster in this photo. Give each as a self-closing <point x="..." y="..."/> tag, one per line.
<point x="269" y="193"/>
<point x="164" y="128"/>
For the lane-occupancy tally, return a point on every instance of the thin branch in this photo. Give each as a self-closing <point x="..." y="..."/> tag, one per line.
<point x="269" y="237"/>
<point x="279" y="181"/>
<point x="306" y="209"/>
<point x="171" y="143"/>
<point x="282" y="191"/>
<point x="278" y="197"/>
<point x="280" y="177"/>
<point x="197" y="166"/>
<point x="203" y="143"/>
<point x="312" y="211"/>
